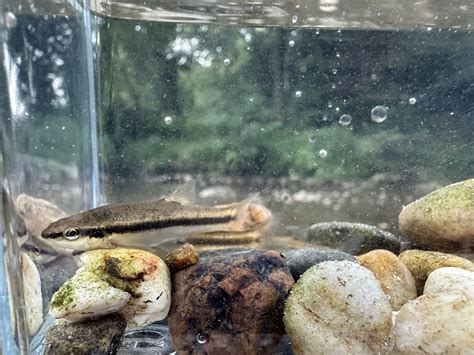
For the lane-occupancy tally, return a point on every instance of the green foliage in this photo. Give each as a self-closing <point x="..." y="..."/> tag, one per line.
<point x="231" y="94"/>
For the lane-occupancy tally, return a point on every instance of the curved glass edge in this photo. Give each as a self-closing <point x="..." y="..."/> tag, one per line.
<point x="6" y="338"/>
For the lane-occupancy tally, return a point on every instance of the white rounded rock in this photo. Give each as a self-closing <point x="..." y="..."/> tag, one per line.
<point x="32" y="294"/>
<point x="154" y="300"/>
<point x="338" y="307"/>
<point x="436" y="323"/>
<point x="451" y="279"/>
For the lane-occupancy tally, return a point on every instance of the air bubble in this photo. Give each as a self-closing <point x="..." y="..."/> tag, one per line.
<point x="298" y="93"/>
<point x="291" y="43"/>
<point x="412" y="101"/>
<point x="294" y="19"/>
<point x="285" y="198"/>
<point x="168" y="120"/>
<point x="138" y="28"/>
<point x="323" y="153"/>
<point x="379" y="113"/>
<point x="312" y="139"/>
<point x="201" y="338"/>
<point x="334" y="71"/>
<point x="345" y="119"/>
<point x="226" y="61"/>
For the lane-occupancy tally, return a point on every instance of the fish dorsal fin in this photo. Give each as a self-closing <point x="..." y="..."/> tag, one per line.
<point x="184" y="194"/>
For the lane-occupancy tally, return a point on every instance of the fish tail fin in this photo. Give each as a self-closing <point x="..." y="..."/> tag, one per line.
<point x="251" y="215"/>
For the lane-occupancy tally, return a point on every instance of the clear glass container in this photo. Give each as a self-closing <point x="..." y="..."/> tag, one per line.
<point x="330" y="110"/>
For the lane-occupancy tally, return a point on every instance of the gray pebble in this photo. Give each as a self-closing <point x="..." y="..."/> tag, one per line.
<point x="300" y="260"/>
<point x="352" y="238"/>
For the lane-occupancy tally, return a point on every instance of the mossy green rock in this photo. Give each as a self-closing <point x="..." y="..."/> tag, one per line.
<point x="442" y="220"/>
<point x="422" y="263"/>
<point x="352" y="238"/>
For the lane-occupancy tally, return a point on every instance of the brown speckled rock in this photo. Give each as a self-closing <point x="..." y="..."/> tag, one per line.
<point x="231" y="301"/>
<point x="98" y="336"/>
<point x="392" y="274"/>
<point x="442" y="220"/>
<point x="422" y="263"/>
<point x="182" y="257"/>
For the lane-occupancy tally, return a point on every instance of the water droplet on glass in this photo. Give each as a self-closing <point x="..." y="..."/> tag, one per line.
<point x="312" y="139"/>
<point x="323" y="153"/>
<point x="412" y="101"/>
<point x="291" y="43"/>
<point x="345" y="119"/>
<point x="298" y="93"/>
<point x="168" y="120"/>
<point x="201" y="338"/>
<point x="10" y="20"/>
<point x="379" y="114"/>
<point x="226" y="61"/>
<point x="138" y="28"/>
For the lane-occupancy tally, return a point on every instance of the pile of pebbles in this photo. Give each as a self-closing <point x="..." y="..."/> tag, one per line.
<point x="353" y="290"/>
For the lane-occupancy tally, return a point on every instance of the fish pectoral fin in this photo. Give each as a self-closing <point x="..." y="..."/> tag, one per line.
<point x="251" y="215"/>
<point x="184" y="194"/>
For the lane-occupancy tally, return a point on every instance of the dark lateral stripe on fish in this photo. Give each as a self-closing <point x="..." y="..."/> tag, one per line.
<point x="182" y="222"/>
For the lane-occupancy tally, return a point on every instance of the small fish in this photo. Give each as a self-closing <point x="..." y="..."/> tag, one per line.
<point x="149" y="224"/>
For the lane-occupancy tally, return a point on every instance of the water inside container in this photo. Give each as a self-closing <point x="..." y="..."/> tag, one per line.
<point x="329" y="110"/>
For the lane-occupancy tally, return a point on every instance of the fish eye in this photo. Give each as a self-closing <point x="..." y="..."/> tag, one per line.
<point x="71" y="233"/>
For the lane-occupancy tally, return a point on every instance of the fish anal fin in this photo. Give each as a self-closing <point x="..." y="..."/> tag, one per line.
<point x="184" y="194"/>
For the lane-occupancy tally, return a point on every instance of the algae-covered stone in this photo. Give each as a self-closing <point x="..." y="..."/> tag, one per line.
<point x="300" y="260"/>
<point x="394" y="277"/>
<point x="422" y="263"/>
<point x="436" y="323"/>
<point x="443" y="219"/>
<point x="134" y="283"/>
<point x="451" y="279"/>
<point x="352" y="238"/>
<point x="84" y="296"/>
<point x="338" y="307"/>
<point x="230" y="302"/>
<point x="98" y="336"/>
